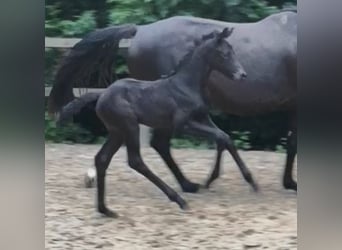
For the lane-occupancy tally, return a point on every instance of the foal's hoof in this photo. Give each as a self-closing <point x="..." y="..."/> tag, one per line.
<point x="208" y="184"/>
<point x="108" y="213"/>
<point x="89" y="178"/>
<point x="182" y="204"/>
<point x="189" y="187"/>
<point x="291" y="184"/>
<point x="255" y="187"/>
<point x="89" y="182"/>
<point x="185" y="207"/>
<point x="249" y="178"/>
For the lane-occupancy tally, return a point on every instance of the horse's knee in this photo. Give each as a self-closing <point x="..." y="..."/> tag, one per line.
<point x="101" y="161"/>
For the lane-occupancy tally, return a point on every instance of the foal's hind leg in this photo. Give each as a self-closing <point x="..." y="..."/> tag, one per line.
<point x="206" y="128"/>
<point x="102" y="160"/>
<point x="161" y="143"/>
<point x="135" y="162"/>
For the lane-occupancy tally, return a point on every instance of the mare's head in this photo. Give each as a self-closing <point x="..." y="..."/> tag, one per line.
<point x="220" y="54"/>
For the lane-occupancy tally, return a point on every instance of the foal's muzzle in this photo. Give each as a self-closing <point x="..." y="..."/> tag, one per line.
<point x="240" y="75"/>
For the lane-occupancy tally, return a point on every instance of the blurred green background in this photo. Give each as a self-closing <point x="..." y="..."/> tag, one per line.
<point x="65" y="18"/>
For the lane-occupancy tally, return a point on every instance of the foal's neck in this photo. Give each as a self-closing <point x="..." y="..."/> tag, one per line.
<point x="194" y="74"/>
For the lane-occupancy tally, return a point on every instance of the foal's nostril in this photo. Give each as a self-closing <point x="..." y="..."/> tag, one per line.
<point x="243" y="75"/>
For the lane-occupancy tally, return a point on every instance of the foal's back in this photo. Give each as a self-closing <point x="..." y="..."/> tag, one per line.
<point x="146" y="102"/>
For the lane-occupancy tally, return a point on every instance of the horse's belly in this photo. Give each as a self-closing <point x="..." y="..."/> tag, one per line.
<point x="250" y="98"/>
<point x="154" y="112"/>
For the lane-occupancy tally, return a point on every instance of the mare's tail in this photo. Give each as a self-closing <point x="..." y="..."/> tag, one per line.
<point x="93" y="56"/>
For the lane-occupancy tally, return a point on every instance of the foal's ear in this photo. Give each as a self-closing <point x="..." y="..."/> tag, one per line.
<point x="197" y="42"/>
<point x="208" y="36"/>
<point x="226" y="32"/>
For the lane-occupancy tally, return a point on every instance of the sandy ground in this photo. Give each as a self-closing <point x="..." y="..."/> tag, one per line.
<point x="228" y="216"/>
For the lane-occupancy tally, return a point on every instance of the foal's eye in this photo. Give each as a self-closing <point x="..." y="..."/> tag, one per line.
<point x="224" y="56"/>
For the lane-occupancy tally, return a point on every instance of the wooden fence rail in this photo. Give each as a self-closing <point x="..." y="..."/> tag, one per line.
<point x="67" y="43"/>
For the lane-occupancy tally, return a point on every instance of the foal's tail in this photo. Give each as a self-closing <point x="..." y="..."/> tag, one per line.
<point x="90" y="61"/>
<point x="74" y="107"/>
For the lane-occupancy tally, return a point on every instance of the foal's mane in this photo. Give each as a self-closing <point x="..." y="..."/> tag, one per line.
<point x="189" y="54"/>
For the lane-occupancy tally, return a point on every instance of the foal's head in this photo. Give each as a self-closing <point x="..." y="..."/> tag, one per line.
<point x="220" y="54"/>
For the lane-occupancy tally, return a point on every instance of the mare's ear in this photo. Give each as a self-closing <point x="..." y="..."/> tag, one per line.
<point x="226" y="32"/>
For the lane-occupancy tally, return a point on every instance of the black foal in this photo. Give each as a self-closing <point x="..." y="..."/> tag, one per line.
<point x="173" y="104"/>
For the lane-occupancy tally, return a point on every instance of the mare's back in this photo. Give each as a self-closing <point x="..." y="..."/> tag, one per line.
<point x="151" y="58"/>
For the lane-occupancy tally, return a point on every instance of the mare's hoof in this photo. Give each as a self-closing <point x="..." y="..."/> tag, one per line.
<point x="190" y="187"/>
<point x="108" y="213"/>
<point x="291" y="184"/>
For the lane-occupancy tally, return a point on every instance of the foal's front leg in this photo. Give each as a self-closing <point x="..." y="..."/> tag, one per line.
<point x="136" y="162"/>
<point x="207" y="129"/>
<point x="102" y="160"/>
<point x="161" y="143"/>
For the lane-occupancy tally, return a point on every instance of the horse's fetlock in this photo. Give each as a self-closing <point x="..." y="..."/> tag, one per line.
<point x="248" y="177"/>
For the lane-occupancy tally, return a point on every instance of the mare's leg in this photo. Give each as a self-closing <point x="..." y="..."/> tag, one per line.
<point x="161" y="143"/>
<point x="135" y="162"/>
<point x="209" y="130"/>
<point x="288" y="181"/>
<point x="102" y="160"/>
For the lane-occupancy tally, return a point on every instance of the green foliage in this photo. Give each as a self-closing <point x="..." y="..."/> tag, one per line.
<point x="147" y="11"/>
<point x="78" y="17"/>
<point x="191" y="142"/>
<point x="70" y="133"/>
<point x="52" y="57"/>
<point x="54" y="26"/>
<point x="84" y="24"/>
<point x="280" y="149"/>
<point x="241" y="139"/>
<point x="264" y="132"/>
